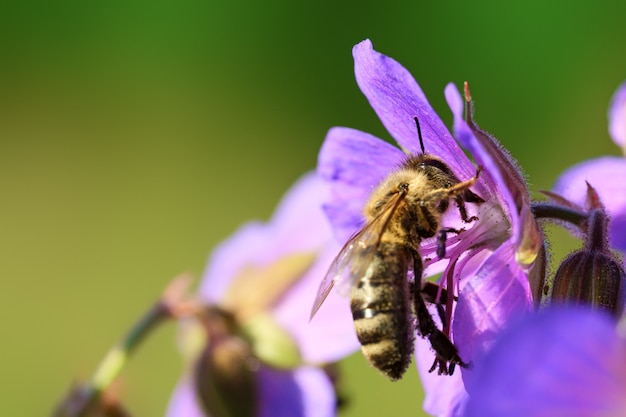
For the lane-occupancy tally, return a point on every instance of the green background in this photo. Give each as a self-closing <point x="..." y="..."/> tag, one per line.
<point x="134" y="137"/>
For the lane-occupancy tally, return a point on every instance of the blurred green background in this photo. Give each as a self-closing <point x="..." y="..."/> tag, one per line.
<point x="134" y="137"/>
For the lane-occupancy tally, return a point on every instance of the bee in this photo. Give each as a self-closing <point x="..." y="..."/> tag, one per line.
<point x="387" y="307"/>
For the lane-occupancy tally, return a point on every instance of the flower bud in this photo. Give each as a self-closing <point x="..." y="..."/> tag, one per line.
<point x="591" y="277"/>
<point x="225" y="370"/>
<point x="241" y="338"/>
<point x="225" y="378"/>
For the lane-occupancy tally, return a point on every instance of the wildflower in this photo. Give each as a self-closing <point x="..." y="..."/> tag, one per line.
<point x="488" y="262"/>
<point x="558" y="362"/>
<point x="606" y="174"/>
<point x="568" y="360"/>
<point x="262" y="355"/>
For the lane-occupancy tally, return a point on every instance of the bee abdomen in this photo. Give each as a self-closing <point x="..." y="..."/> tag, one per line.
<point x="381" y="312"/>
<point x="386" y="342"/>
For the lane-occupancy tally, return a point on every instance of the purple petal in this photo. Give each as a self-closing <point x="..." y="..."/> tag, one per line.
<point x="330" y="336"/>
<point x="356" y="158"/>
<point x="246" y="245"/>
<point x="617" y="116"/>
<point x="456" y="104"/>
<point x="305" y="392"/>
<point x="183" y="402"/>
<point x="298" y="225"/>
<point x="444" y="395"/>
<point x="508" y="182"/>
<point x="607" y="175"/>
<point x="496" y="184"/>
<point x="487" y="301"/>
<point x="562" y="362"/>
<point x="397" y="99"/>
<point x="354" y="163"/>
<point x="616" y="233"/>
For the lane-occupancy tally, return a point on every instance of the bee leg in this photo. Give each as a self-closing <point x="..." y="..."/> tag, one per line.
<point x="468" y="196"/>
<point x="429" y="292"/>
<point x="458" y="189"/>
<point x="445" y="351"/>
<point x="460" y="203"/>
<point x="442" y="237"/>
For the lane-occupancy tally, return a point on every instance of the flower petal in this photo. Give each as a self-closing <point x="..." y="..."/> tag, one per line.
<point x="495" y="183"/>
<point x="353" y="162"/>
<point x="487" y="301"/>
<point x="356" y="158"/>
<point x="487" y="184"/>
<point x="183" y="402"/>
<point x="561" y="362"/>
<point x="617" y="117"/>
<point x="397" y="99"/>
<point x="245" y="246"/>
<point x="444" y="395"/>
<point x="299" y="223"/>
<point x="606" y="175"/>
<point x="330" y="336"/>
<point x="305" y="392"/>
<point x="319" y="397"/>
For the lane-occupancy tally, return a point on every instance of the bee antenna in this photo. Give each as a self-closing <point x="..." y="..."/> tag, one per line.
<point x="419" y="133"/>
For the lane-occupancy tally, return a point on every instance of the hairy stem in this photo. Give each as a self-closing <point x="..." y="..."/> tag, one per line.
<point x="558" y="212"/>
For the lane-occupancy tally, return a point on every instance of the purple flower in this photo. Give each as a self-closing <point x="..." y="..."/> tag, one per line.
<point x="605" y="174"/>
<point x="489" y="261"/>
<point x="559" y="362"/>
<point x="264" y="279"/>
<point x="567" y="361"/>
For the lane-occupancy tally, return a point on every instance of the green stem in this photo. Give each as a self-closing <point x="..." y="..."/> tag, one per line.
<point x="85" y="398"/>
<point x="116" y="358"/>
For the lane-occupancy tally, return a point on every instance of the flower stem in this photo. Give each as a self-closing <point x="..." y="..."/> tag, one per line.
<point x="115" y="360"/>
<point x="167" y="306"/>
<point x="558" y="212"/>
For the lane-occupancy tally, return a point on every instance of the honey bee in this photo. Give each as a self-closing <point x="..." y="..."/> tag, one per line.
<point x="387" y="307"/>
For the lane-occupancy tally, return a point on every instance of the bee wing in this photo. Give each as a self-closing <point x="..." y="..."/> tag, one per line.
<point x="351" y="264"/>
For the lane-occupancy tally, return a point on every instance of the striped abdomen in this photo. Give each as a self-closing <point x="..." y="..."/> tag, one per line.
<point x="381" y="308"/>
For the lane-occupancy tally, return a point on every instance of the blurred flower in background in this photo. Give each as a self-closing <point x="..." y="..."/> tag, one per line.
<point x="253" y="351"/>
